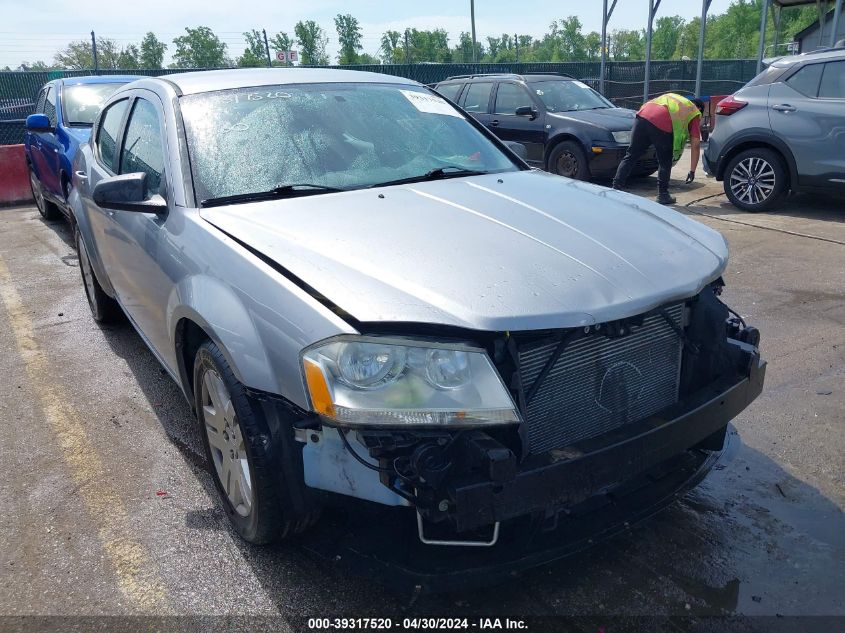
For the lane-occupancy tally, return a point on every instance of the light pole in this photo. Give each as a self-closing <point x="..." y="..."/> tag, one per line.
<point x="472" y="18"/>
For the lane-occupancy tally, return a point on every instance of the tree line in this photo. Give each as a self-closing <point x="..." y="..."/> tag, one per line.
<point x="733" y="34"/>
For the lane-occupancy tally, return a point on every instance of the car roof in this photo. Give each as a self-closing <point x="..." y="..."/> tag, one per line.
<point x="826" y="54"/>
<point x="98" y="79"/>
<point x="526" y="77"/>
<point x="208" y="80"/>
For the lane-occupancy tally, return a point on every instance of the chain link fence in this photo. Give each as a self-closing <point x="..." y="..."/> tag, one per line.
<point x="623" y="81"/>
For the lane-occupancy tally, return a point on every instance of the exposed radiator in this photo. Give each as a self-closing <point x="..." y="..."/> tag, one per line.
<point x="599" y="384"/>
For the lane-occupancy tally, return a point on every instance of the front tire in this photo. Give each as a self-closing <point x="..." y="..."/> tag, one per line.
<point x="104" y="309"/>
<point x="755" y="180"/>
<point x="47" y="209"/>
<point x="568" y="159"/>
<point x="239" y="453"/>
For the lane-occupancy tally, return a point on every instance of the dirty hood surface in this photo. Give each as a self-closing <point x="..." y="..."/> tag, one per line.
<point x="514" y="251"/>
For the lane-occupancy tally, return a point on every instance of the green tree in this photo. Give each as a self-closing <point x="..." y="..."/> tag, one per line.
<point x="199" y="48"/>
<point x="349" y="36"/>
<point x="312" y="43"/>
<point x="152" y="51"/>
<point x="255" y="54"/>
<point x="281" y="41"/>
<point x="592" y="45"/>
<point x="79" y="55"/>
<point x="366" y="58"/>
<point x="34" y="66"/>
<point x="627" y="44"/>
<point x="129" y="58"/>
<point x="391" y="51"/>
<point x="667" y="32"/>
<point x="573" y="46"/>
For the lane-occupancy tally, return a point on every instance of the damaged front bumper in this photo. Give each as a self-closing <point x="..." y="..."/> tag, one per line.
<point x="553" y="481"/>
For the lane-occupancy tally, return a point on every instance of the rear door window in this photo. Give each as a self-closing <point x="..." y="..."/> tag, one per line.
<point x="806" y="80"/>
<point x="477" y="97"/>
<point x="509" y="97"/>
<point x="450" y="91"/>
<point x="109" y="129"/>
<point x="833" y="81"/>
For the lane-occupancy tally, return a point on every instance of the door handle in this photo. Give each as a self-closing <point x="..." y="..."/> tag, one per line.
<point x="81" y="175"/>
<point x="494" y="122"/>
<point x="784" y="107"/>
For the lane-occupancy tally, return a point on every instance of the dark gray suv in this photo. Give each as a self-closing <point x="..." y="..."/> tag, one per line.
<point x="784" y="131"/>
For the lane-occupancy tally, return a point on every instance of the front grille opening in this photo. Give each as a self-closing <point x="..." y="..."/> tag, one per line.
<point x="598" y="383"/>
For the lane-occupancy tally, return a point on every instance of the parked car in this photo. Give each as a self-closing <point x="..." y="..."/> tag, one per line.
<point x="362" y="292"/>
<point x="566" y="127"/>
<point x="64" y="112"/>
<point x="782" y="132"/>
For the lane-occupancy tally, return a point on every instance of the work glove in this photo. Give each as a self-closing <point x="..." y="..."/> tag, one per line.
<point x="690" y="177"/>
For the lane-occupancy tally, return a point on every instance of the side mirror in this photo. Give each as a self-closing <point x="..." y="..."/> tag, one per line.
<point x="38" y="123"/>
<point x="517" y="148"/>
<point x="528" y="111"/>
<point x="127" y="192"/>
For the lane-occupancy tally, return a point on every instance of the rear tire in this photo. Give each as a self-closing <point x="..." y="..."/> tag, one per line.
<point x="755" y="180"/>
<point x="240" y="456"/>
<point x="47" y="209"/>
<point x="104" y="309"/>
<point x="568" y="159"/>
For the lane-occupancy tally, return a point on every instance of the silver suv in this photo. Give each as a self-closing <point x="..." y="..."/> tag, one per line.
<point x="784" y="131"/>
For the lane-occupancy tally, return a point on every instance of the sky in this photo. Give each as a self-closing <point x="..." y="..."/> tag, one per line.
<point x="31" y="31"/>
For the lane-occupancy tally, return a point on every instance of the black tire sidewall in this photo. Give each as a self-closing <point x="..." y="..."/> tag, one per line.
<point x="104" y="309"/>
<point x="46" y="209"/>
<point x="780" y="179"/>
<point x="576" y="150"/>
<point x="253" y="527"/>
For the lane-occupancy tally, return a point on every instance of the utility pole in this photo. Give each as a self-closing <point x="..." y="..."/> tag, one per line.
<point x="407" y="50"/>
<point x="474" y="45"/>
<point x="94" y="50"/>
<point x="764" y="16"/>
<point x="516" y="44"/>
<point x="267" y="48"/>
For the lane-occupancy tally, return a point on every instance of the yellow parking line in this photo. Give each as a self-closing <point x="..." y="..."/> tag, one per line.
<point x="136" y="580"/>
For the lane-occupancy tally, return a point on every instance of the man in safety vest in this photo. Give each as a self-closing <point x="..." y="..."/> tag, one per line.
<point x="666" y="123"/>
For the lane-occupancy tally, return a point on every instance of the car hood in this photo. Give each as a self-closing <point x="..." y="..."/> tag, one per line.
<point x="613" y="119"/>
<point x="515" y="251"/>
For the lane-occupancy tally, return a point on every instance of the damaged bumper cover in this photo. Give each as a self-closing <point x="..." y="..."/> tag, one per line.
<point x="554" y="481"/>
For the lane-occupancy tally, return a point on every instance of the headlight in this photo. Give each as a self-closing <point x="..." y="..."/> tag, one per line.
<point x="623" y="137"/>
<point x="371" y="381"/>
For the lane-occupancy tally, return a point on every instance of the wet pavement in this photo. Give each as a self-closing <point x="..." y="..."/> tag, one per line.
<point x="107" y="508"/>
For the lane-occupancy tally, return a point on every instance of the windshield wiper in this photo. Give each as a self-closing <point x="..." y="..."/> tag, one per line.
<point x="282" y="191"/>
<point x="439" y="173"/>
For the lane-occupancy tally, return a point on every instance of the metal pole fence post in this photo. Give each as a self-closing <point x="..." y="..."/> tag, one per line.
<point x="603" y="46"/>
<point x="94" y="51"/>
<point x="764" y="16"/>
<point x="822" y="10"/>
<point x="705" y="7"/>
<point x="652" y="7"/>
<point x="267" y="48"/>
<point x="474" y="44"/>
<point x="834" y="29"/>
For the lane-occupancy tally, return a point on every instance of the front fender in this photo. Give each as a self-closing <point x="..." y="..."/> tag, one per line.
<point x="217" y="309"/>
<point x="83" y="225"/>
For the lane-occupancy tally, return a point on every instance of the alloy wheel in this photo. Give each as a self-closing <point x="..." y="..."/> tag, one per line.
<point x="226" y="442"/>
<point x="753" y="180"/>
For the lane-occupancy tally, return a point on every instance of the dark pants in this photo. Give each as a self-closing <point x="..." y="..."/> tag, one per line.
<point x="643" y="135"/>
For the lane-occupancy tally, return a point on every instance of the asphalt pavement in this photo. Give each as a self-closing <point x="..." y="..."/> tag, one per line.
<point x="106" y="507"/>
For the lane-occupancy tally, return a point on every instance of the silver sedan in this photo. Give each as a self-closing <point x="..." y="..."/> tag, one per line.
<point x="363" y="293"/>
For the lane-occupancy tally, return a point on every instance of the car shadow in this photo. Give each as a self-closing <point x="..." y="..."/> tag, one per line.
<point x="750" y="539"/>
<point x="816" y="207"/>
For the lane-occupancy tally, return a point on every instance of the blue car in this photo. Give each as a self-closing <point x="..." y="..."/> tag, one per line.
<point x="64" y="112"/>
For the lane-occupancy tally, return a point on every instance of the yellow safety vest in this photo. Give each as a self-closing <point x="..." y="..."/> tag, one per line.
<point x="682" y="111"/>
